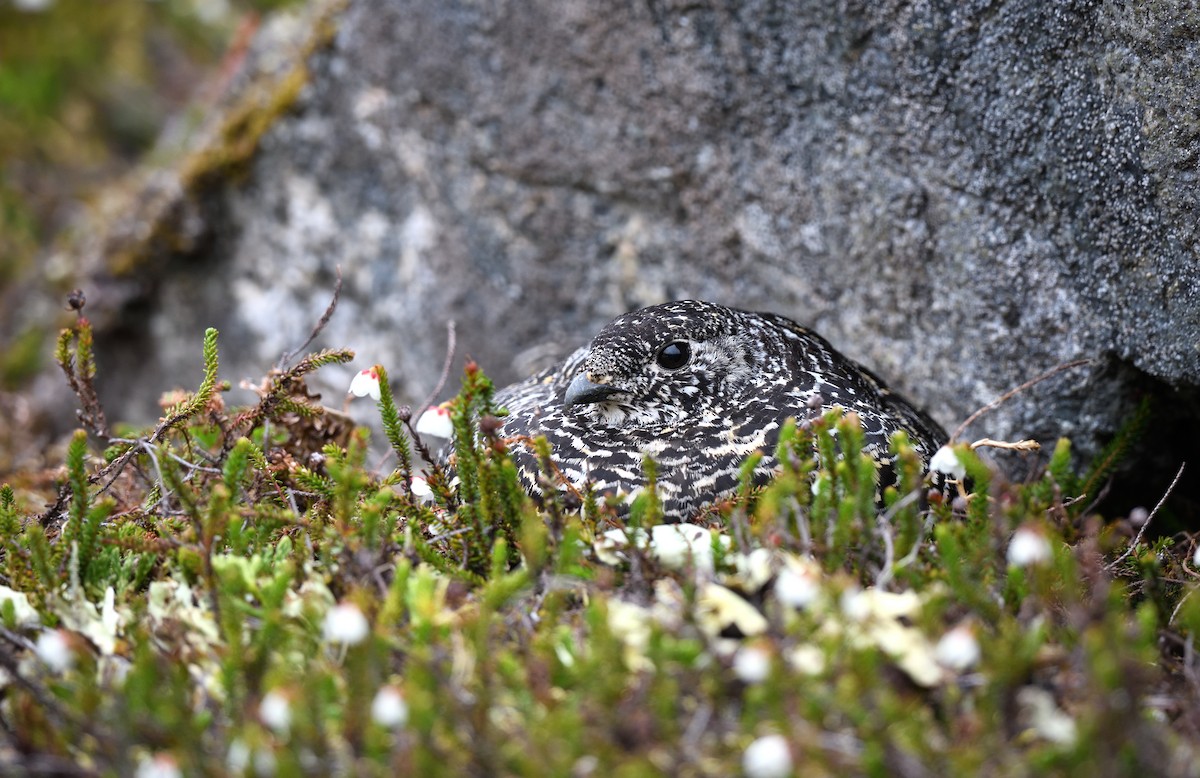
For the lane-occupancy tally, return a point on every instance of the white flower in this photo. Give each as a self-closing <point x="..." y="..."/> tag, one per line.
<point x="160" y="765"/>
<point x="421" y="489"/>
<point x="872" y="603"/>
<point x="958" y="649"/>
<point x="946" y="461"/>
<point x="797" y="587"/>
<point x="752" y="664"/>
<point x="1028" y="547"/>
<point x="275" y="710"/>
<point x="435" y="421"/>
<point x="366" y="382"/>
<point x="677" y="544"/>
<point x="768" y="757"/>
<point x="32" y="6"/>
<point x="24" y="614"/>
<point x="238" y="757"/>
<point x="756" y="568"/>
<point x="631" y="623"/>
<point x="54" y="649"/>
<point x="389" y="709"/>
<point x="674" y="545"/>
<point x="806" y="659"/>
<point x="1037" y="711"/>
<point x="856" y="606"/>
<point x="608" y="546"/>
<point x="1196" y="556"/>
<point x="346" y="624"/>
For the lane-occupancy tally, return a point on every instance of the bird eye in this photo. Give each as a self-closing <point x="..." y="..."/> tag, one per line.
<point x="674" y="355"/>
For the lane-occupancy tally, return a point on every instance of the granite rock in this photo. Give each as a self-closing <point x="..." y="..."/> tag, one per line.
<point x="960" y="195"/>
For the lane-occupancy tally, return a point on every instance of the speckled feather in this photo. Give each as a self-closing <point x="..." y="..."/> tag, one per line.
<point x="747" y="373"/>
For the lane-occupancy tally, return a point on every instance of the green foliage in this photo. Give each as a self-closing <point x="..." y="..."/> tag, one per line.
<point x="1116" y="452"/>
<point x="77" y="480"/>
<point x="22" y="358"/>
<point x="83" y="91"/>
<point x="393" y="427"/>
<point x="262" y="593"/>
<point x="193" y="405"/>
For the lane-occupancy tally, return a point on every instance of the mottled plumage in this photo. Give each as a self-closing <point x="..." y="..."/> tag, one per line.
<point x="698" y="387"/>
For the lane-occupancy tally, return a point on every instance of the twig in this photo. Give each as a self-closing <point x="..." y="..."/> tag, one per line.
<point x="889" y="553"/>
<point x="1013" y="392"/>
<point x="113" y="468"/>
<point x="1142" y="529"/>
<point x="741" y="527"/>
<point x="420" y="444"/>
<point x="900" y="504"/>
<point x="1020" y="445"/>
<point x="1099" y="498"/>
<point x="291" y="498"/>
<point x="316" y="330"/>
<point x="697" y="728"/>
<point x="188" y="465"/>
<point x="802" y="528"/>
<point x="192" y="465"/>
<point x="1179" y="605"/>
<point x="451" y="340"/>
<point x="884" y="526"/>
<point x="162" y="485"/>
<point x="912" y="554"/>
<point x="62" y="716"/>
<point x="33" y="765"/>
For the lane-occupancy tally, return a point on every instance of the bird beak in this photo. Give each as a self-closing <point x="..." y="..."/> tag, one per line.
<point x="581" y="391"/>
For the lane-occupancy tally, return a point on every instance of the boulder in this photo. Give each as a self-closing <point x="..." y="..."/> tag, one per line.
<point x="960" y="195"/>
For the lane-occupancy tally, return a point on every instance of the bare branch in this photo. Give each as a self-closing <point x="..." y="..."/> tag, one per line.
<point x="316" y="330"/>
<point x="451" y="339"/>
<point x="1020" y="445"/>
<point x="1142" y="529"/>
<point x="994" y="404"/>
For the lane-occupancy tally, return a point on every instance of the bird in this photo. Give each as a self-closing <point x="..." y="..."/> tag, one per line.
<point x="698" y="387"/>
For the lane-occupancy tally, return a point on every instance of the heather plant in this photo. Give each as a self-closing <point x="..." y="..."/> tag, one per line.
<point x="235" y="591"/>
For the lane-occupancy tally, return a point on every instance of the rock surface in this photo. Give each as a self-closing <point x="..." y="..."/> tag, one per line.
<point x="959" y="195"/>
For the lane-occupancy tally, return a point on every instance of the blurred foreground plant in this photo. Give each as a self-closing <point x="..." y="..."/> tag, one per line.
<point x="233" y="592"/>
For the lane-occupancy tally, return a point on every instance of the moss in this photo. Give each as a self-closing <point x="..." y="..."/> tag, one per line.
<point x="83" y="92"/>
<point x="222" y="159"/>
<point x="22" y="358"/>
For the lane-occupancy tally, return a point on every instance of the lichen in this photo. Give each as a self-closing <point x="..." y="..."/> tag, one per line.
<point x="162" y="221"/>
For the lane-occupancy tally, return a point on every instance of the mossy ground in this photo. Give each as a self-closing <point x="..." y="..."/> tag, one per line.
<point x="236" y="592"/>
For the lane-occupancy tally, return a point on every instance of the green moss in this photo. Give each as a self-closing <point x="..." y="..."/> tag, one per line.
<point x="22" y="358"/>
<point x="83" y="95"/>
<point x="226" y="156"/>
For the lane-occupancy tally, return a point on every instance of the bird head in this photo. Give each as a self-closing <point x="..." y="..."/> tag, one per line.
<point x="659" y="365"/>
